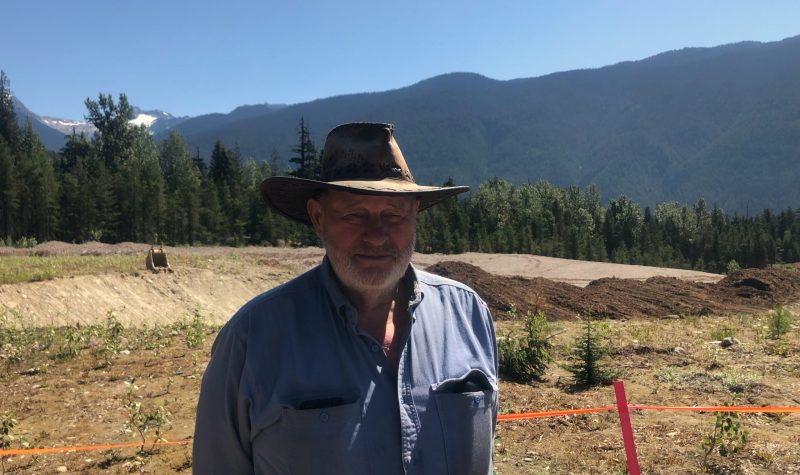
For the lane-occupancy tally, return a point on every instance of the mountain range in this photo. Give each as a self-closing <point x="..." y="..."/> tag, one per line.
<point x="720" y="123"/>
<point x="53" y="131"/>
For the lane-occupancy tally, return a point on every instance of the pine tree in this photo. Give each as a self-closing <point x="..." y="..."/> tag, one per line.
<point x="9" y="130"/>
<point x="38" y="188"/>
<point x="8" y="192"/>
<point x="115" y="136"/>
<point x="306" y="159"/>
<point x="182" y="191"/>
<point x="589" y="349"/>
<point x="9" y="142"/>
<point x="140" y="188"/>
<point x="226" y="175"/>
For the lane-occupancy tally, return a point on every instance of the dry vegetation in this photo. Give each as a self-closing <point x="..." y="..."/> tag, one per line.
<point x="102" y="383"/>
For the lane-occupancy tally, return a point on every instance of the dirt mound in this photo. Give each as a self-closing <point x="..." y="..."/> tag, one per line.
<point x="746" y="291"/>
<point x="762" y="286"/>
<point x="500" y="292"/>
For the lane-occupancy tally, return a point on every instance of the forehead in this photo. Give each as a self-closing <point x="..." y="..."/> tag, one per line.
<point x="345" y="199"/>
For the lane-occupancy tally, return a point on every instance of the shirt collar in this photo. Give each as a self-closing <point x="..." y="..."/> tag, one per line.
<point x="345" y="309"/>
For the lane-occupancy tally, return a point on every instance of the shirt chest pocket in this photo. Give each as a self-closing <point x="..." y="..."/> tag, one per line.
<point x="466" y="408"/>
<point x="316" y="440"/>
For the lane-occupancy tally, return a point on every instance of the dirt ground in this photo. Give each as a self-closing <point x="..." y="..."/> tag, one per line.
<point x="663" y="327"/>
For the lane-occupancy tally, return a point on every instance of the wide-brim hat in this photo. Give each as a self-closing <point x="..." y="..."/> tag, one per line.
<point x="361" y="158"/>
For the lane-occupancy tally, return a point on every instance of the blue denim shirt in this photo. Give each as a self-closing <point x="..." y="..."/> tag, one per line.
<point x="294" y="386"/>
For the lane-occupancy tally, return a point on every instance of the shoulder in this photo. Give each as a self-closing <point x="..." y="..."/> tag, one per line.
<point x="442" y="283"/>
<point x="278" y="298"/>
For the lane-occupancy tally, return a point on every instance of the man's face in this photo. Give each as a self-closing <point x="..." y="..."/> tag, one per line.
<point x="369" y="239"/>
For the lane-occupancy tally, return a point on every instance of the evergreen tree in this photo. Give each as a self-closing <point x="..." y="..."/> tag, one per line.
<point x="8" y="192"/>
<point x="75" y="149"/>
<point x="115" y="136"/>
<point x="38" y="188"/>
<point x="200" y="163"/>
<point x="588" y="351"/>
<point x="140" y="188"/>
<point x="9" y="130"/>
<point x="182" y="191"/>
<point x="226" y="176"/>
<point x="9" y="143"/>
<point x="305" y="154"/>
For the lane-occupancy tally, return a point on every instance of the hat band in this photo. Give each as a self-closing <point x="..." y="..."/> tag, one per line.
<point x="363" y="170"/>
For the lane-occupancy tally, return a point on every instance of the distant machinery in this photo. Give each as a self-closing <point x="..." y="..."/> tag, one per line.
<point x="157" y="260"/>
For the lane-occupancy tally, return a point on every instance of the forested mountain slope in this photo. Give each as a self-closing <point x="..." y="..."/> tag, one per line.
<point x="719" y="123"/>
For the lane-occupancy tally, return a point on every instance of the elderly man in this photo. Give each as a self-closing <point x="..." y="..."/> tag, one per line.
<point x="363" y="364"/>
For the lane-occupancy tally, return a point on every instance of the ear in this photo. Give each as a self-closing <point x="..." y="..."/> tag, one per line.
<point x="314" y="210"/>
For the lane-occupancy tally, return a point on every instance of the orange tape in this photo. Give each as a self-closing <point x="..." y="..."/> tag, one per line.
<point x="500" y="417"/>
<point x="566" y="412"/>
<point x="717" y="408"/>
<point x="84" y="448"/>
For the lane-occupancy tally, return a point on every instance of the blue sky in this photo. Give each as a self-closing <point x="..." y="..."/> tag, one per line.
<point x="195" y="57"/>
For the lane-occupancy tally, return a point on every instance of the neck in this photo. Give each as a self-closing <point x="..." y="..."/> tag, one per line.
<point x="372" y="300"/>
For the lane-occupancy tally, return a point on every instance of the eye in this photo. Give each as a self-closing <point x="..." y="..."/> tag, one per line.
<point x="394" y="217"/>
<point x="353" y="216"/>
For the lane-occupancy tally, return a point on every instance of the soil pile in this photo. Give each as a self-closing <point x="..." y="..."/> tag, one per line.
<point x="762" y="286"/>
<point x="746" y="291"/>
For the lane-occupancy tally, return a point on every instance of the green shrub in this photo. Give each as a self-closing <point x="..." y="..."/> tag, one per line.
<point x="588" y="350"/>
<point x="111" y="339"/>
<point x="141" y="421"/>
<point x="74" y="339"/>
<point x="194" y="330"/>
<point x="728" y="437"/>
<point x="7" y="424"/>
<point x="525" y="359"/>
<point x="780" y="322"/>
<point x="732" y="267"/>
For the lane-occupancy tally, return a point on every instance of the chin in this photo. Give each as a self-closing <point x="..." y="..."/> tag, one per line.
<point x="371" y="280"/>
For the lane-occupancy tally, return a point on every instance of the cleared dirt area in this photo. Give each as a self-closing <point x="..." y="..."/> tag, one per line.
<point x="69" y="378"/>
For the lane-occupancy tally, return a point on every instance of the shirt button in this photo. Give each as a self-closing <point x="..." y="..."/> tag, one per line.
<point x="324" y="417"/>
<point x="476" y="400"/>
<point x="375" y="348"/>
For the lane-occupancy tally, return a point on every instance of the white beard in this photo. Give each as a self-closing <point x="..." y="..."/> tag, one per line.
<point x="362" y="280"/>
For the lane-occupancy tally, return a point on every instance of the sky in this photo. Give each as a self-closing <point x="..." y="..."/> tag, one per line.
<point x="202" y="56"/>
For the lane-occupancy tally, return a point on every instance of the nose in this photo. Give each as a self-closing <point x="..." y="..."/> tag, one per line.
<point x="375" y="233"/>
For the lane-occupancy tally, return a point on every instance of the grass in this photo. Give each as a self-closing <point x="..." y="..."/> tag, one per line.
<point x="22" y="344"/>
<point x="17" y="269"/>
<point x="32" y="268"/>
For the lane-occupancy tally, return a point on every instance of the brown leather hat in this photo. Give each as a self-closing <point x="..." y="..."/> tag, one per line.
<point x="360" y="158"/>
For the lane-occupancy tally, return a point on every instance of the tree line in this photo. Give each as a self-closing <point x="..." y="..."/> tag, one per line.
<point x="119" y="185"/>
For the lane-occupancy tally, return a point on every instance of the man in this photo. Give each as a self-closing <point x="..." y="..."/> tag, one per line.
<point x="363" y="364"/>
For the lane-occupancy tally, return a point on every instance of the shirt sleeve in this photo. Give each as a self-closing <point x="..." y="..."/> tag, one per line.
<point x="222" y="427"/>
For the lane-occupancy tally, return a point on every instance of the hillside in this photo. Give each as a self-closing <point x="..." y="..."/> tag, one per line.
<point x="719" y="123"/>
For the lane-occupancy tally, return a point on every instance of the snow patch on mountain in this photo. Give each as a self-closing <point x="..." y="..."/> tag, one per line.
<point x="143" y="119"/>
<point x="66" y="126"/>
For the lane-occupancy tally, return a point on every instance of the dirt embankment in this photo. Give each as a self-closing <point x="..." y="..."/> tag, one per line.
<point x="745" y="291"/>
<point x="229" y="277"/>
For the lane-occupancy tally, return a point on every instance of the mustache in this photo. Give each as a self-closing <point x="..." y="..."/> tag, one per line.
<point x="375" y="251"/>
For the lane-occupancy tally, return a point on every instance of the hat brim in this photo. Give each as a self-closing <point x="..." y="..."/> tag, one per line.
<point x="289" y="195"/>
